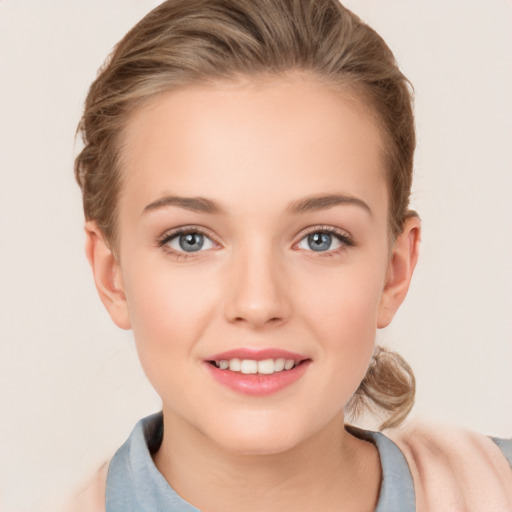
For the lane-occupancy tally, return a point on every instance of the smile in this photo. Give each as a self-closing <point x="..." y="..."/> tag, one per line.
<point x="252" y="366"/>
<point x="257" y="373"/>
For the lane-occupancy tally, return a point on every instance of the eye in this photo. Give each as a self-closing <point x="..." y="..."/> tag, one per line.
<point x="324" y="240"/>
<point x="187" y="241"/>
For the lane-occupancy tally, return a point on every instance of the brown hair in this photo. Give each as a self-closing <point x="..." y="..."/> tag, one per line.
<point x="189" y="41"/>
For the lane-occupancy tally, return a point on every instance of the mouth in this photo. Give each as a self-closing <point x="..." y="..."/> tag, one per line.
<point x="253" y="366"/>
<point x="257" y="373"/>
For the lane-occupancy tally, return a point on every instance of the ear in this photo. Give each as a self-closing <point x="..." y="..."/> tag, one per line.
<point x="107" y="275"/>
<point x="401" y="267"/>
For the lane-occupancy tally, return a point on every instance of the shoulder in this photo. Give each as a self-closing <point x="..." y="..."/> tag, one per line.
<point x="454" y="469"/>
<point x="91" y="495"/>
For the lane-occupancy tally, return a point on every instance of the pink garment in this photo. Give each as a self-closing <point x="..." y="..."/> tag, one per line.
<point x="455" y="470"/>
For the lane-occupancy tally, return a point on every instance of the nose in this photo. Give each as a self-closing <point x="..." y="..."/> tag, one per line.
<point x="258" y="294"/>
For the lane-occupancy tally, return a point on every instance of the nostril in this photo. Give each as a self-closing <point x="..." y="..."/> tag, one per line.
<point x="260" y="320"/>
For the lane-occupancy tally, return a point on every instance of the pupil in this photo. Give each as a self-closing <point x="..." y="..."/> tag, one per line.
<point x="191" y="242"/>
<point x="319" y="241"/>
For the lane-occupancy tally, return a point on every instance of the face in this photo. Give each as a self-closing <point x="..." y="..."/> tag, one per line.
<point x="252" y="235"/>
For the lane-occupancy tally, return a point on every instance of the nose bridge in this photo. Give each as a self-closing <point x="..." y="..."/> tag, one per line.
<point x="258" y="293"/>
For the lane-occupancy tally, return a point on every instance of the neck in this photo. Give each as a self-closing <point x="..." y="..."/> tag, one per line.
<point x="326" y="470"/>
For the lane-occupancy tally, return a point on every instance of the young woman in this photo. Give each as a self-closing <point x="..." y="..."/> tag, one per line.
<point x="246" y="175"/>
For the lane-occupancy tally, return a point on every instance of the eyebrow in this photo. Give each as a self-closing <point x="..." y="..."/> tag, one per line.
<point x="196" y="204"/>
<point x="323" y="202"/>
<point x="305" y="205"/>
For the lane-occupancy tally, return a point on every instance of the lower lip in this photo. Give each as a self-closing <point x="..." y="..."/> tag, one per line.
<point x="256" y="384"/>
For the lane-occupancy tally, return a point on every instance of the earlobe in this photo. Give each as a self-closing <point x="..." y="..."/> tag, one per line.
<point x="400" y="270"/>
<point x="107" y="276"/>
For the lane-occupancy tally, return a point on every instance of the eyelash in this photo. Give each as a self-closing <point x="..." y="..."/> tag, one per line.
<point x="344" y="238"/>
<point x="189" y="230"/>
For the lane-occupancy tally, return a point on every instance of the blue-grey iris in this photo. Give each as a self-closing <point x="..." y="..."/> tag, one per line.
<point x="191" y="242"/>
<point x="319" y="241"/>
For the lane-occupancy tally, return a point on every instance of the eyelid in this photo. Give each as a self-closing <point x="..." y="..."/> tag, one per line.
<point x="163" y="240"/>
<point x="343" y="236"/>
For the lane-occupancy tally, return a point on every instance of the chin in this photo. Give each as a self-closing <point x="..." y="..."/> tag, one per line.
<point x="260" y="445"/>
<point x="259" y="436"/>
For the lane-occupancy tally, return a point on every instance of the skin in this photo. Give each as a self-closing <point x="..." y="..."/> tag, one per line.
<point x="255" y="148"/>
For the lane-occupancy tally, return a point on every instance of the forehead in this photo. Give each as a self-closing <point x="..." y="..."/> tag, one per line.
<point x="289" y="133"/>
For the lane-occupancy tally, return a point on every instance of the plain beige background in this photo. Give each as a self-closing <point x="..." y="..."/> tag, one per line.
<point x="71" y="388"/>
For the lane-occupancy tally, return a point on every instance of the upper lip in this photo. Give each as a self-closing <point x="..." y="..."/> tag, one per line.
<point x="257" y="354"/>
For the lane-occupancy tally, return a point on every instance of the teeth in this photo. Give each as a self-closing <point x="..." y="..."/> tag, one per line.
<point x="251" y="366"/>
<point x="266" y="366"/>
<point x="279" y="364"/>
<point x="234" y="365"/>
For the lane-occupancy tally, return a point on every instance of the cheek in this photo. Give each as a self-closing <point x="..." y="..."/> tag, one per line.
<point x="342" y="311"/>
<point x="345" y="299"/>
<point x="169" y="311"/>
